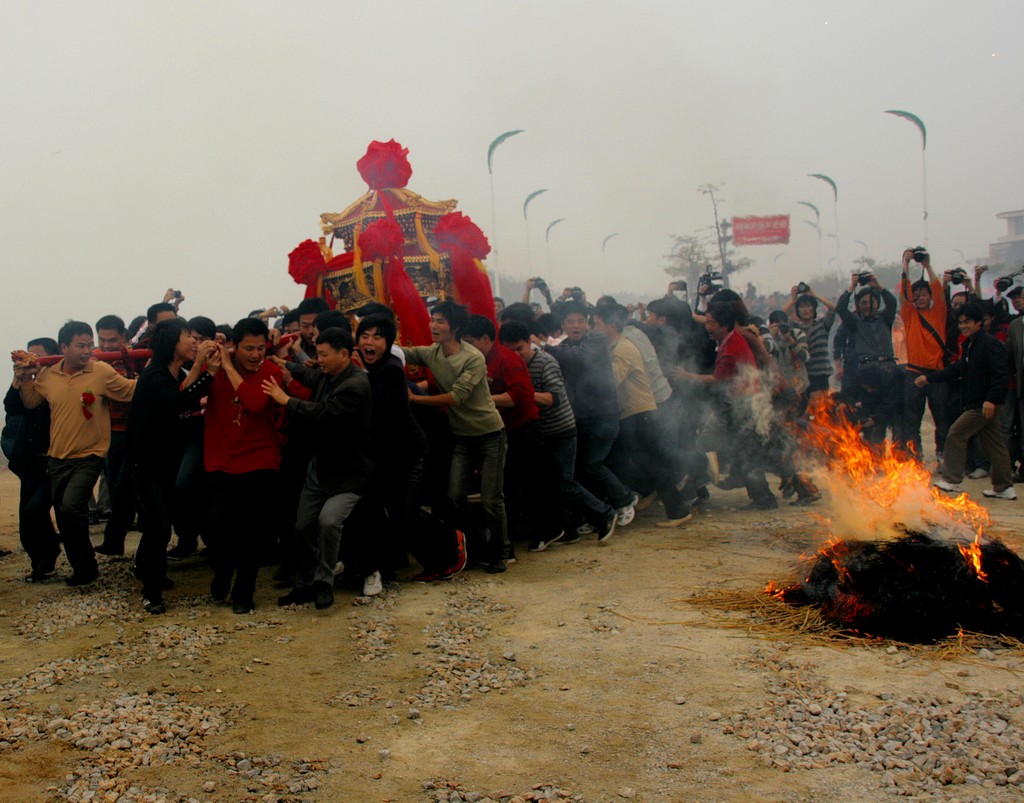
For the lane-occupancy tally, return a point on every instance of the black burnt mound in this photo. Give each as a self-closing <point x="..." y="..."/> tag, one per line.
<point x="916" y="588"/>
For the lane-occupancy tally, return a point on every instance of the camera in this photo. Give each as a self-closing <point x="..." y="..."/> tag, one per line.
<point x="540" y="284"/>
<point x="920" y="253"/>
<point x="803" y="288"/>
<point x="177" y="293"/>
<point x="1004" y="283"/>
<point x="783" y="328"/>
<point x="958" y="276"/>
<point x="711" y="281"/>
<point x="864" y="279"/>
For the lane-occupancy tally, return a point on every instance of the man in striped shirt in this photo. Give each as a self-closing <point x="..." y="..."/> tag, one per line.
<point x="558" y="425"/>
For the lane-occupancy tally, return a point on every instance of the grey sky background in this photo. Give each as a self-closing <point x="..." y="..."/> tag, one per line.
<point x="194" y="144"/>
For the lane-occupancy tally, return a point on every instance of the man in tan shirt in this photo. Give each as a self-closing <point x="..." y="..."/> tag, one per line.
<point x="643" y="455"/>
<point x="78" y="390"/>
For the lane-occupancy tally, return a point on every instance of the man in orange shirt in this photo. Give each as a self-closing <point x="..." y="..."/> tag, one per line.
<point x="923" y="312"/>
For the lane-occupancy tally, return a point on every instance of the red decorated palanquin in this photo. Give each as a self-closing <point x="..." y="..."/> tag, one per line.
<point x="395" y="247"/>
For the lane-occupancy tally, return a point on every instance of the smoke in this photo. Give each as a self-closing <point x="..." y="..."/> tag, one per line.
<point x="880" y="493"/>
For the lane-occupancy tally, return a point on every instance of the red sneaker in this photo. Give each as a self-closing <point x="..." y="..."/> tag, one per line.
<point x="460" y="557"/>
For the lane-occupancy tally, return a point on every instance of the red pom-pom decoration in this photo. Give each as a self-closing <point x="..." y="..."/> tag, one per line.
<point x="385" y="165"/>
<point x="381" y="240"/>
<point x="306" y="263"/>
<point x="457" y="232"/>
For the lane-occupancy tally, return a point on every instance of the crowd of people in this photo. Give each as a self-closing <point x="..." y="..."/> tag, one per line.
<point x="308" y="440"/>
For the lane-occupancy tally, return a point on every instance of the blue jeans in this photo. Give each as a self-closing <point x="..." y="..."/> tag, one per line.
<point x="487" y="452"/>
<point x="913" y="411"/>
<point x="595" y="437"/>
<point x="579" y="499"/>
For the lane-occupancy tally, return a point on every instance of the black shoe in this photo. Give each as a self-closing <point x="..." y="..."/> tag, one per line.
<point x="540" y="546"/>
<point x="324" y="596"/>
<point x="38" y="577"/>
<point x="154" y="606"/>
<point x="181" y="551"/>
<point x="82" y="577"/>
<point x="243" y="606"/>
<point x="764" y="503"/>
<point x="806" y="499"/>
<point x="219" y="587"/>
<point x="606" y="529"/>
<point x="117" y="550"/>
<point x="571" y="537"/>
<point x="297" y="596"/>
<point x="497" y="567"/>
<point x="94" y="519"/>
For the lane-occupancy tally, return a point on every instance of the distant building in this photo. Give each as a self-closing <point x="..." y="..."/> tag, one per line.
<point x="1008" y="251"/>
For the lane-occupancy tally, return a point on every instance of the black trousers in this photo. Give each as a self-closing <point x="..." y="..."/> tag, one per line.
<point x="240" y="526"/>
<point x="71" y="482"/>
<point x="35" y="527"/>
<point x="154" y="495"/>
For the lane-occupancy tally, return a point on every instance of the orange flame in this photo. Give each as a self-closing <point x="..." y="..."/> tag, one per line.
<point x="972" y="554"/>
<point x="887" y="477"/>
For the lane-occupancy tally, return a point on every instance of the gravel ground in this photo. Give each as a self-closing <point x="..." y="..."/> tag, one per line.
<point x="581" y="675"/>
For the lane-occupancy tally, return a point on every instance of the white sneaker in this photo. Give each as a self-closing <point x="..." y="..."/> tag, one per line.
<point x="978" y="474"/>
<point x="372" y="585"/>
<point x="950" y="487"/>
<point x="1006" y="493"/>
<point x="339" y="567"/>
<point x="628" y="513"/>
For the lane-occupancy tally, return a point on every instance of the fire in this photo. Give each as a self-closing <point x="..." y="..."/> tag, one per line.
<point x="879" y="490"/>
<point x="972" y="554"/>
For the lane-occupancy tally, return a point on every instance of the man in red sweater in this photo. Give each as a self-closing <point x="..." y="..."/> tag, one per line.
<point x="242" y="455"/>
<point x="733" y="383"/>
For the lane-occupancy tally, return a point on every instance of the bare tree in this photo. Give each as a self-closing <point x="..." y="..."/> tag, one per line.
<point x="688" y="258"/>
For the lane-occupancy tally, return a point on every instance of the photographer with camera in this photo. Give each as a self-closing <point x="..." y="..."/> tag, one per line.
<point x="869" y="328"/>
<point x="983" y="369"/>
<point x="709" y="283"/>
<point x="924" y="315"/>
<point x="541" y="286"/>
<point x="802" y="307"/>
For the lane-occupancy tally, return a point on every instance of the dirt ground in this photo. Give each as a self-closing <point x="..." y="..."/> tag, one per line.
<point x="587" y="668"/>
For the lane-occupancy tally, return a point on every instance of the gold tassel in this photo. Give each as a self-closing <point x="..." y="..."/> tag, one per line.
<point x="421" y="238"/>
<point x="357" y="263"/>
<point x="378" y="282"/>
<point x="325" y="250"/>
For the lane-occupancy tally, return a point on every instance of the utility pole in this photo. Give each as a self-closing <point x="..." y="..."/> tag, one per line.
<point x="721" y="230"/>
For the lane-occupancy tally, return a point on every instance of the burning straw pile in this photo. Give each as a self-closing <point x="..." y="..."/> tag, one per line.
<point x="913" y="564"/>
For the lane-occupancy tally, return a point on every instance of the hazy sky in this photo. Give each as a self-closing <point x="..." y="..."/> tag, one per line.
<point x="194" y="144"/>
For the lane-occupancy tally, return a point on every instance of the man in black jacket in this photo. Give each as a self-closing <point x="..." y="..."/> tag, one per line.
<point x="983" y="370"/>
<point x="341" y="465"/>
<point x="29" y="445"/>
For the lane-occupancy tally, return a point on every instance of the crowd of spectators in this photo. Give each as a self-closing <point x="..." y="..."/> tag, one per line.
<point x="308" y="440"/>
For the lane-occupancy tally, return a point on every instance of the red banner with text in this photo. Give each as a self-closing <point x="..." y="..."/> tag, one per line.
<point x="760" y="230"/>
